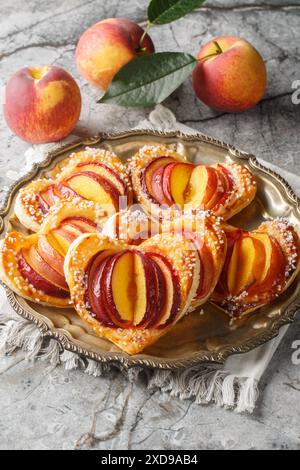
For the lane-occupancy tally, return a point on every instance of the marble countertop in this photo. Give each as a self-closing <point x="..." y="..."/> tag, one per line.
<point x="46" y="408"/>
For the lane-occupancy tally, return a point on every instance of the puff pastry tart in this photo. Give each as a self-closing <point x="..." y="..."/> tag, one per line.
<point x="206" y="233"/>
<point x="32" y="265"/>
<point x="259" y="266"/>
<point x="93" y="174"/>
<point x="202" y="228"/>
<point x="132" y="295"/>
<point x="162" y="179"/>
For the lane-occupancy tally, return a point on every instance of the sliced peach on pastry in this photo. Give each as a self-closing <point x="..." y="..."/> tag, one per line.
<point x="202" y="187"/>
<point x="166" y="183"/>
<point x="36" y="280"/>
<point x="150" y="184"/>
<point x="161" y="295"/>
<point x="95" y="188"/>
<point x="71" y="230"/>
<point x="63" y="238"/>
<point x="247" y="261"/>
<point x="274" y="268"/>
<point x="157" y="186"/>
<point x="38" y="263"/>
<point x="207" y="271"/>
<point x="104" y="171"/>
<point x="46" y="199"/>
<point x="82" y="223"/>
<point x="227" y="183"/>
<point x="227" y="177"/>
<point x="179" y="180"/>
<point x="67" y="192"/>
<point x="145" y="278"/>
<point x="172" y="293"/>
<point x="120" y="288"/>
<point x="47" y="247"/>
<point x="94" y="286"/>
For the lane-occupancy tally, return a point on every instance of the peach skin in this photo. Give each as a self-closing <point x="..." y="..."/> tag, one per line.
<point x="230" y="76"/>
<point x="107" y="46"/>
<point x="42" y="104"/>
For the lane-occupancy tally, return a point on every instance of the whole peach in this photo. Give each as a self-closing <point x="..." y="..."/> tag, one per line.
<point x="42" y="104"/>
<point x="231" y="75"/>
<point x="107" y="46"/>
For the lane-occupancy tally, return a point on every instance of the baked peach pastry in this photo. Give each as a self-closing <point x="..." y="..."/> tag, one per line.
<point x="33" y="265"/>
<point x="259" y="266"/>
<point x="202" y="228"/>
<point x="205" y="231"/>
<point x="93" y="174"/>
<point x="162" y="179"/>
<point x="132" y="295"/>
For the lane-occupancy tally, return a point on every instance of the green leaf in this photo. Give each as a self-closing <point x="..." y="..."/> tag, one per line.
<point x="149" y="80"/>
<point x="166" y="11"/>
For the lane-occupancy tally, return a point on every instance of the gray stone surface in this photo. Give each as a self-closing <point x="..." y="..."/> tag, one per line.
<point x="42" y="407"/>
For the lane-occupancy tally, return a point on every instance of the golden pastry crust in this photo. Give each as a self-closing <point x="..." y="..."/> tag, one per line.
<point x="27" y="206"/>
<point x="285" y="266"/>
<point x="134" y="339"/>
<point x="15" y="242"/>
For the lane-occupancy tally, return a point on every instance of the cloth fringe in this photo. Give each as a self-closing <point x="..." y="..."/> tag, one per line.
<point x="207" y="385"/>
<point x="204" y="385"/>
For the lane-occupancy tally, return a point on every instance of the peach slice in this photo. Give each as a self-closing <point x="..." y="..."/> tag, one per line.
<point x="71" y="230"/>
<point x="172" y="291"/>
<point x="67" y="192"/>
<point x="38" y="263"/>
<point x="104" y="171"/>
<point x="166" y="183"/>
<point x="84" y="224"/>
<point x="63" y="238"/>
<point x="145" y="279"/>
<point x="202" y="187"/>
<point x="207" y="271"/>
<point x="246" y="264"/>
<point x="153" y="185"/>
<point x="157" y="186"/>
<point x="179" y="180"/>
<point x="95" y="188"/>
<point x="47" y="248"/>
<point x="47" y="198"/>
<point x="94" y="282"/>
<point x="120" y="287"/>
<point x="161" y="295"/>
<point x="274" y="266"/>
<point x="219" y="193"/>
<point x="38" y="281"/>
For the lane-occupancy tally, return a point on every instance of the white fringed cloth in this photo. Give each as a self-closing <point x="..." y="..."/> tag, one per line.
<point x="234" y="385"/>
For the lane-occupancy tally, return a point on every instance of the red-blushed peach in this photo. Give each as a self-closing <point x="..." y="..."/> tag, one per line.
<point x="231" y="75"/>
<point x="107" y="46"/>
<point x="42" y="104"/>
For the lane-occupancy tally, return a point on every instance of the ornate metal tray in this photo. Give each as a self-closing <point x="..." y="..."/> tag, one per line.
<point x="198" y="338"/>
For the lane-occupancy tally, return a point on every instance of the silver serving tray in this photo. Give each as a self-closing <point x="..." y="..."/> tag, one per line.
<point x="198" y="338"/>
